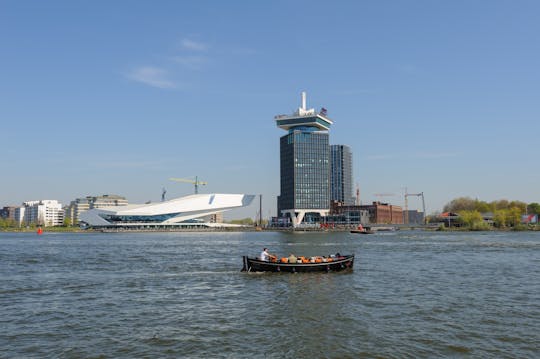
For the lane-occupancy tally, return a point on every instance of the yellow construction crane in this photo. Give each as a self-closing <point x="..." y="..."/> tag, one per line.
<point x="195" y="182"/>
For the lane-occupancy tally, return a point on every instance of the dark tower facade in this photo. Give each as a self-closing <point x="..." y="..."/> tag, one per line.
<point x="304" y="164"/>
<point x="341" y="175"/>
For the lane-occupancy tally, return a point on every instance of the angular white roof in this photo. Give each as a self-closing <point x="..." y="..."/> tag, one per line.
<point x="168" y="212"/>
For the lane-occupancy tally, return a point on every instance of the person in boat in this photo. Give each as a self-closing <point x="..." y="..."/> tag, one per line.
<point x="265" y="256"/>
<point x="292" y="258"/>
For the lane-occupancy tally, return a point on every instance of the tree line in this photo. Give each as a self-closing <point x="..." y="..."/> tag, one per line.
<point x="469" y="204"/>
<point x="504" y="213"/>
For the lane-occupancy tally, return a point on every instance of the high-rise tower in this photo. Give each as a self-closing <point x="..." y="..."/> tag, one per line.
<point x="341" y="178"/>
<point x="304" y="163"/>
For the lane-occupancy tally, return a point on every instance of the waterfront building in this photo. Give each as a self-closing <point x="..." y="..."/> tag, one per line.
<point x="19" y="215"/>
<point x="79" y="205"/>
<point x="75" y="208"/>
<point x="46" y="213"/>
<point x="304" y="165"/>
<point x="184" y="212"/>
<point x="341" y="176"/>
<point x="384" y="213"/>
<point x="347" y="215"/>
<point x="8" y="212"/>
<point x="414" y="217"/>
<point x="214" y="218"/>
<point x="107" y="200"/>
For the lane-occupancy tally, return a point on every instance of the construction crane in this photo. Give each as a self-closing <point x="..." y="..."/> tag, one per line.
<point x="407" y="195"/>
<point x="195" y="182"/>
<point x="163" y="192"/>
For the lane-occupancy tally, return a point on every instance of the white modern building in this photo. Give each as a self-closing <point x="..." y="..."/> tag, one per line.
<point x="43" y="213"/>
<point x="181" y="212"/>
<point x="19" y="215"/>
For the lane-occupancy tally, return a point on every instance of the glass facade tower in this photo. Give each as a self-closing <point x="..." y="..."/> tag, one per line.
<point x="341" y="178"/>
<point x="304" y="164"/>
<point x="305" y="169"/>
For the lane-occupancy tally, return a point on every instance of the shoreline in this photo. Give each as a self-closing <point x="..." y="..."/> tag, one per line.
<point x="255" y="229"/>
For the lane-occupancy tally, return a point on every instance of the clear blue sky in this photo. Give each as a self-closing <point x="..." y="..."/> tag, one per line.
<point x="117" y="96"/>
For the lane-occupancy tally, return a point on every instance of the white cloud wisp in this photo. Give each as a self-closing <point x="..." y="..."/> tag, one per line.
<point x="152" y="76"/>
<point x="193" y="45"/>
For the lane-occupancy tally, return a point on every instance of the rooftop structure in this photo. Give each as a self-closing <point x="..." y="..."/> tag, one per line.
<point x="304" y="117"/>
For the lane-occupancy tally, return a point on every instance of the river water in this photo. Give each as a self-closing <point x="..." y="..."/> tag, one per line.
<point x="411" y="294"/>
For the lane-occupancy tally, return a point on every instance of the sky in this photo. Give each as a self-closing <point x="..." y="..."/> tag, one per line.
<point x="116" y="97"/>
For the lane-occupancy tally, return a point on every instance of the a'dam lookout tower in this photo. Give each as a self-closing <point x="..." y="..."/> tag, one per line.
<point x="304" y="164"/>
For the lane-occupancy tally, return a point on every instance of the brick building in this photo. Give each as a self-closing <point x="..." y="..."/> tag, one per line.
<point x="384" y="213"/>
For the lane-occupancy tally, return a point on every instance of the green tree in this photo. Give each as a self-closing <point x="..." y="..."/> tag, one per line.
<point x="4" y="223"/>
<point x="514" y="216"/>
<point x="460" y="204"/>
<point x="500" y="218"/>
<point x="483" y="207"/>
<point x="533" y="208"/>
<point x="470" y="218"/>
<point x="467" y="204"/>
<point x="500" y="204"/>
<point x="522" y="206"/>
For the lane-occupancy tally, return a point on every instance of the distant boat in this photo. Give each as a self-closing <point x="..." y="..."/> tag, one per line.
<point x="362" y="230"/>
<point x="386" y="229"/>
<point x="39" y="230"/>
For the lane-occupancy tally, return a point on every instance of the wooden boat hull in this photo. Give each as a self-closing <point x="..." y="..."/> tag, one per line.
<point x="338" y="264"/>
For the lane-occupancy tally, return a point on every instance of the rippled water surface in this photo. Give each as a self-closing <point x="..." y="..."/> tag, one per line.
<point x="411" y="294"/>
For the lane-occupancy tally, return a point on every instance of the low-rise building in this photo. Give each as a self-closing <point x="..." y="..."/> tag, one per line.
<point x="449" y="219"/>
<point x="47" y="213"/>
<point x="214" y="218"/>
<point x="413" y="217"/>
<point x="384" y="213"/>
<point x="8" y="212"/>
<point x="19" y="215"/>
<point x="79" y="205"/>
<point x="347" y="215"/>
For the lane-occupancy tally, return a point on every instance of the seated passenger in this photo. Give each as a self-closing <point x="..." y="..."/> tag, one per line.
<point x="265" y="256"/>
<point x="292" y="258"/>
